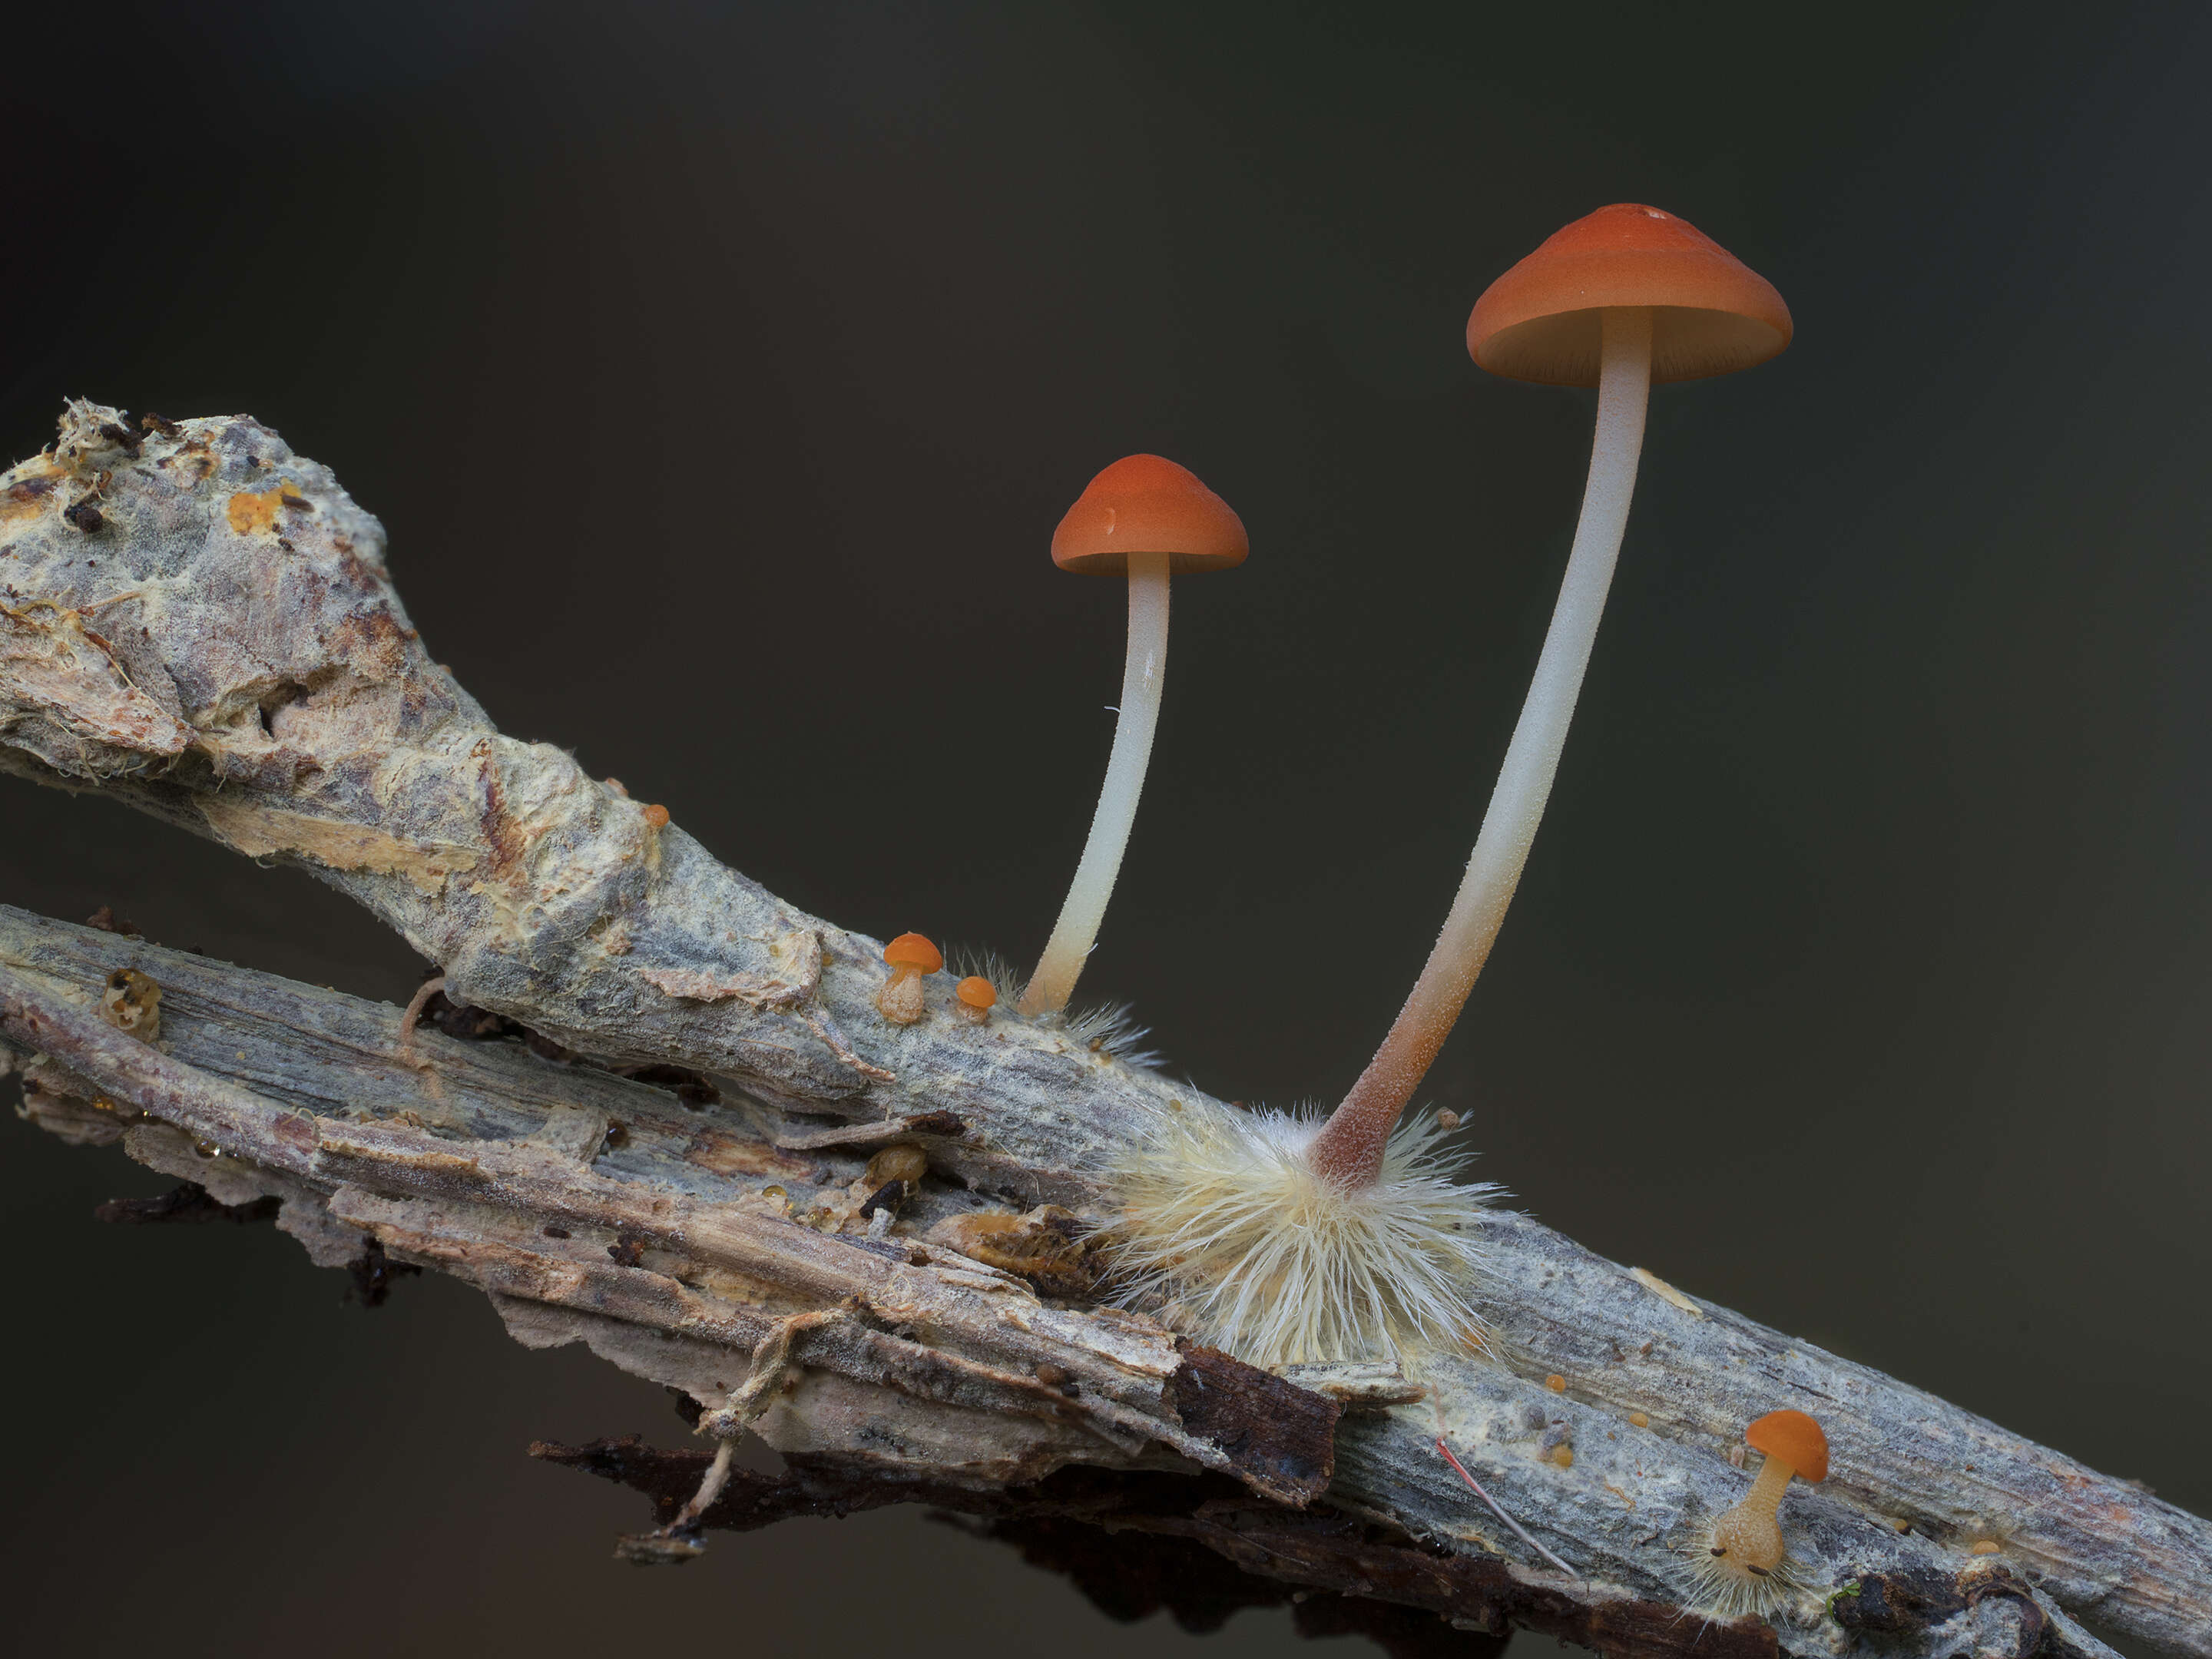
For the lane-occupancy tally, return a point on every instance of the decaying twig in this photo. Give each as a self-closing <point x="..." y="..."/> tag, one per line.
<point x="237" y="663"/>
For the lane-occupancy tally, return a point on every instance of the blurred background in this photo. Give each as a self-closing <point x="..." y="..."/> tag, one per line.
<point x="719" y="373"/>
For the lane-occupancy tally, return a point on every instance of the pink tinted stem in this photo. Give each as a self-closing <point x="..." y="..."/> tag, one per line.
<point x="1499" y="1509"/>
<point x="1348" y="1150"/>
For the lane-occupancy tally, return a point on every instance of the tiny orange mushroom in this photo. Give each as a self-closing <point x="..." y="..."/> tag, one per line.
<point x="977" y="997"/>
<point x="910" y="955"/>
<point x="1749" y="1538"/>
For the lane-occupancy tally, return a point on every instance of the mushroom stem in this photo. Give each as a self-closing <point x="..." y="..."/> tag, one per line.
<point x="1348" y="1150"/>
<point x="1142" y="677"/>
<point x="1750" y="1535"/>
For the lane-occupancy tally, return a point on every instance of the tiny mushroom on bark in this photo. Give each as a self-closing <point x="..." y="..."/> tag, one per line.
<point x="1619" y="300"/>
<point x="1145" y="518"/>
<point x="910" y="955"/>
<point x="1746" y="1567"/>
<point x="977" y="999"/>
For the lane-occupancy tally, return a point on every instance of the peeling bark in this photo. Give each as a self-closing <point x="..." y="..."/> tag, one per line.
<point x="235" y="661"/>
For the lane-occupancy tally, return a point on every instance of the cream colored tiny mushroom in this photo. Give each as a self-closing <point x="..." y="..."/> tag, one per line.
<point x="910" y="955"/>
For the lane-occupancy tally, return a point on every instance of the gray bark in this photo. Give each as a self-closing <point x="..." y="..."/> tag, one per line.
<point x="199" y="623"/>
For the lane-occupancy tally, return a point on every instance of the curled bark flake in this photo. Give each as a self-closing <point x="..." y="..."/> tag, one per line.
<point x="65" y="699"/>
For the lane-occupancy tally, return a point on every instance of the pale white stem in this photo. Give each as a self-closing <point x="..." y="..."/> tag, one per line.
<point x="1142" y="677"/>
<point x="1349" y="1148"/>
<point x="710" y="1487"/>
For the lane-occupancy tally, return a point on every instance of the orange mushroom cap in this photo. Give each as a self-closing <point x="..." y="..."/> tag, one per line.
<point x="1147" y="504"/>
<point x="913" y="950"/>
<point x="1711" y="312"/>
<point x="1795" y="1439"/>
<point x="977" y="992"/>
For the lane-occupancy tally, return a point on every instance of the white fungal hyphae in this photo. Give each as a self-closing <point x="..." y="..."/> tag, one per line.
<point x="1722" y="1590"/>
<point x="1112" y="1028"/>
<point x="1222" y="1215"/>
<point x="1721" y="1594"/>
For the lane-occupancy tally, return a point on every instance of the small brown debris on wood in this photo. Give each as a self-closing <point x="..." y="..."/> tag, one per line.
<point x="1276" y="1431"/>
<point x="727" y="1154"/>
<point x="1049" y="1247"/>
<point x="133" y="1003"/>
<point x="892" y="1177"/>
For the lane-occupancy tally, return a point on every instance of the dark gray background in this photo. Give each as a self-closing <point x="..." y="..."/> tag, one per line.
<point x="719" y="374"/>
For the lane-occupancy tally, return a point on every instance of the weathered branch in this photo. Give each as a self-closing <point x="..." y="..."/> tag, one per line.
<point x="199" y="623"/>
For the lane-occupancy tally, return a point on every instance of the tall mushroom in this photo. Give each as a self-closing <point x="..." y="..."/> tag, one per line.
<point x="1282" y="1241"/>
<point x="1620" y="300"/>
<point x="1148" y="518"/>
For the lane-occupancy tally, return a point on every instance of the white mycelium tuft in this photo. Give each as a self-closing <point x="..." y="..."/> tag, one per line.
<point x="1222" y="1215"/>
<point x="1111" y="1028"/>
<point x="1722" y="1590"/>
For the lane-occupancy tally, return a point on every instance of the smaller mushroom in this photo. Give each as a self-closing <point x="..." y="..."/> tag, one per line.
<point x="910" y="955"/>
<point x="978" y="996"/>
<point x="1746" y="1567"/>
<point x="1147" y="518"/>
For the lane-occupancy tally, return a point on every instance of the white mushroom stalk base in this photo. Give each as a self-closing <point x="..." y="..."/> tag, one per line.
<point x="1226" y="1229"/>
<point x="1741" y="1564"/>
<point x="1349" y="1150"/>
<point x="1143" y="676"/>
